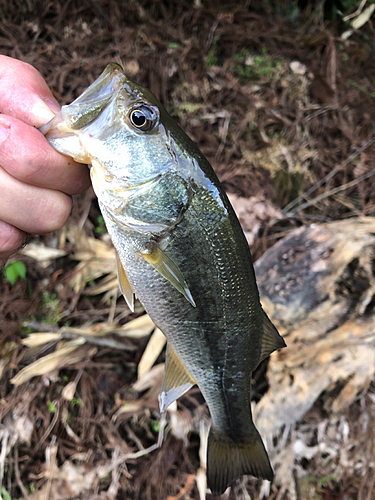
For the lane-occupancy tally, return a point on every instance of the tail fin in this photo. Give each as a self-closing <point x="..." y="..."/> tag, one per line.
<point x="228" y="461"/>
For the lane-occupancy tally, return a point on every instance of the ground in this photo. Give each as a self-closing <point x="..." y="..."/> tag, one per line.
<point x="282" y="106"/>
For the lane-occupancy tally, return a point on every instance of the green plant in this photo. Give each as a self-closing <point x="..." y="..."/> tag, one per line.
<point x="52" y="408"/>
<point x="5" y="495"/>
<point x="211" y="58"/>
<point x="100" y="228"/>
<point x="155" y="425"/>
<point x="15" y="270"/>
<point x="76" y="402"/>
<point x="31" y="488"/>
<point x="173" y="45"/>
<point x="187" y="108"/>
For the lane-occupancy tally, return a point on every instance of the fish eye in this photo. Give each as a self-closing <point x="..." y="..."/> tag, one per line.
<point x="143" y="118"/>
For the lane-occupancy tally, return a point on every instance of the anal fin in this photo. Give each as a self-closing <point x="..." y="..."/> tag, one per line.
<point x="124" y="284"/>
<point x="271" y="339"/>
<point x="169" y="270"/>
<point x="176" y="379"/>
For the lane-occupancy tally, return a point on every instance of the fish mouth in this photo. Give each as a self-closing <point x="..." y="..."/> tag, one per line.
<point x="52" y="124"/>
<point x="88" y="106"/>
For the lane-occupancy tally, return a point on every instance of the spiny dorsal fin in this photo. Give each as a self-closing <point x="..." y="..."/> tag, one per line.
<point x="176" y="379"/>
<point x="124" y="284"/>
<point x="169" y="270"/>
<point x="271" y="339"/>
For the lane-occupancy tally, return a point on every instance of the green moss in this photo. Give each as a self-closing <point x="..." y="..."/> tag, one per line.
<point x="51" y="306"/>
<point x="249" y="66"/>
<point x="288" y="186"/>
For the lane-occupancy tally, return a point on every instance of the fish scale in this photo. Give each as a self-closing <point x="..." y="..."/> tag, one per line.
<point x="182" y="252"/>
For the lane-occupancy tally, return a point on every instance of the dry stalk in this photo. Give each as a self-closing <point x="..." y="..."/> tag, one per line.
<point x="285" y="211"/>
<point x="18" y="475"/>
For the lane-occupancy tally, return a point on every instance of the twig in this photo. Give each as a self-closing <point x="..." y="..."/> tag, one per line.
<point x="212" y="31"/>
<point x="67" y="333"/>
<point x="115" y="483"/>
<point x="130" y="456"/>
<point x="18" y="475"/>
<point x="3" y="454"/>
<point x="335" y="190"/>
<point x="41" y="327"/>
<point x="185" y="489"/>
<point x="223" y="134"/>
<point x="356" y="13"/>
<point x="50" y="427"/>
<point x="327" y="177"/>
<point x="297" y="485"/>
<point x="51" y="453"/>
<point x="134" y="437"/>
<point x="100" y="341"/>
<point x="162" y="426"/>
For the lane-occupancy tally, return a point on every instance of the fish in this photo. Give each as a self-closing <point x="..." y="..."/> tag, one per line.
<point x="181" y="251"/>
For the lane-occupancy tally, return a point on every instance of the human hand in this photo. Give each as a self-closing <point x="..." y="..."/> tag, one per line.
<point x="35" y="180"/>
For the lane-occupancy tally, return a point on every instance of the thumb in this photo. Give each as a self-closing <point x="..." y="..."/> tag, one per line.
<point x="24" y="93"/>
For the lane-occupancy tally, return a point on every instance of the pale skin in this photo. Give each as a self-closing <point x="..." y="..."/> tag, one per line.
<point x="36" y="182"/>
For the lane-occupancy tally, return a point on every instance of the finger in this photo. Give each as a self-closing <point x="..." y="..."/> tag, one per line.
<point x="11" y="240"/>
<point x="24" y="93"/>
<point x="30" y="208"/>
<point x="33" y="161"/>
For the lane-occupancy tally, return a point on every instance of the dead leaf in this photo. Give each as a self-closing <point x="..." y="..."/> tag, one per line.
<point x="363" y="17"/>
<point x="41" y="253"/>
<point x="154" y="347"/>
<point x="62" y="357"/>
<point x="137" y="328"/>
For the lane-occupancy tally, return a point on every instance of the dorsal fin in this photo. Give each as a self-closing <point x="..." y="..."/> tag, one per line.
<point x="176" y="379"/>
<point x="124" y="284"/>
<point x="271" y="339"/>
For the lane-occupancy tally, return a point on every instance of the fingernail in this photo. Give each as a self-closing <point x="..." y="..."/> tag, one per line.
<point x="53" y="105"/>
<point x="4" y="132"/>
<point x="43" y="110"/>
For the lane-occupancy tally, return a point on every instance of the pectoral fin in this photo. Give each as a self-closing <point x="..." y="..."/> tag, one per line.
<point x="124" y="284"/>
<point x="176" y="379"/>
<point x="271" y="340"/>
<point x="169" y="270"/>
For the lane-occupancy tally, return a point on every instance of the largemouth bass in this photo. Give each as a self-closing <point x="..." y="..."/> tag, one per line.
<point x="182" y="252"/>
